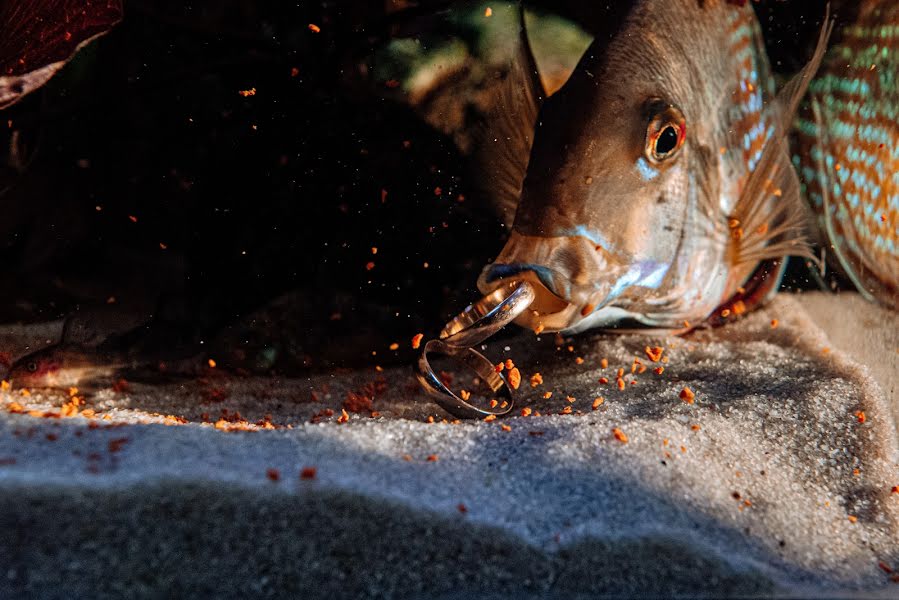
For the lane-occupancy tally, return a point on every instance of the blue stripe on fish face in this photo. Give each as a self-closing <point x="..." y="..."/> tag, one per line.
<point x="646" y="171"/>
<point x="500" y="271"/>
<point x="594" y="236"/>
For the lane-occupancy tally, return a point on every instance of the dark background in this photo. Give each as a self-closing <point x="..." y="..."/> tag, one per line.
<point x="237" y="200"/>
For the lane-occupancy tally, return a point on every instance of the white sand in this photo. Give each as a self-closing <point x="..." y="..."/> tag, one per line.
<point x="755" y="501"/>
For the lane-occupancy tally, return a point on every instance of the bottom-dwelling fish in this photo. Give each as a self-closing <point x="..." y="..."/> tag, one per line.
<point x="848" y="150"/>
<point x="659" y="180"/>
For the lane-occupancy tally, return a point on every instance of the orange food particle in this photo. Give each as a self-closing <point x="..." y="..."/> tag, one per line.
<point x="566" y="411"/>
<point x="884" y="567"/>
<point x="273" y="474"/>
<point x="509" y="364"/>
<point x="687" y="395"/>
<point x="211" y="363"/>
<point x="536" y="379"/>
<point x="539" y="329"/>
<point x="430" y="419"/>
<point x="588" y="308"/>
<point x="499" y="367"/>
<point x="604" y="363"/>
<point x="4" y="385"/>
<point x="314" y="28"/>
<point x="852" y="518"/>
<point x="620" y="373"/>
<point x="489" y="418"/>
<point x="604" y="380"/>
<point x="247" y="93"/>
<point x="25" y="393"/>
<point x="696" y="427"/>
<point x="465" y="395"/>
<point x="526" y="411"/>
<point x="547" y="395"/>
<point x="620" y="383"/>
<point x="505" y="428"/>
<point x="860" y="415"/>
<point x="416" y="340"/>
<point x="394" y="346"/>
<point x="73" y="391"/>
<point x="739" y="307"/>
<point x="619" y="435"/>
<point x="514" y="378"/>
<point x="659" y="370"/>
<point x="579" y="360"/>
<point x="725" y="313"/>
<point x="344" y="416"/>
<point x="570" y="399"/>
<point x="369" y="265"/>
<point x="15" y="407"/>
<point x="488" y="12"/>
<point x="774" y="323"/>
<point x="432" y="458"/>
<point x="310" y="472"/>
<point x="597" y="402"/>
<point x="654" y="353"/>
<point x="894" y="489"/>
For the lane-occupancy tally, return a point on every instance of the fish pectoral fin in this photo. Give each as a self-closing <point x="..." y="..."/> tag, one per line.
<point x="770" y="219"/>
<point x="503" y="147"/>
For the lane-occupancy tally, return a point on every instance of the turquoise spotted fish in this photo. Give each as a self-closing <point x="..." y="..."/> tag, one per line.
<point x="848" y="150"/>
<point x="656" y="190"/>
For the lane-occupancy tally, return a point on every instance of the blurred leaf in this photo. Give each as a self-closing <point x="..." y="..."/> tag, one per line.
<point x="38" y="37"/>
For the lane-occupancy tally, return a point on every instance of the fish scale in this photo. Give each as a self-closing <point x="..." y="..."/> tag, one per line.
<point x="848" y="150"/>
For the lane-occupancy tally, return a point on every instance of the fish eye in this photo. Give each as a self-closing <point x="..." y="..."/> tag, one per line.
<point x="31" y="366"/>
<point x="666" y="134"/>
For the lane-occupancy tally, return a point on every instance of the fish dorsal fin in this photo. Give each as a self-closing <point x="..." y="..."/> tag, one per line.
<point x="504" y="147"/>
<point x="762" y="227"/>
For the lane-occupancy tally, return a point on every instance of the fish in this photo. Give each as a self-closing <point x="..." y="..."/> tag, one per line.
<point x="847" y="151"/>
<point x="657" y="183"/>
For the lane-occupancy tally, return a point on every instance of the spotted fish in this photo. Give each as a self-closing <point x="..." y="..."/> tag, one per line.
<point x="658" y="190"/>
<point x="848" y="150"/>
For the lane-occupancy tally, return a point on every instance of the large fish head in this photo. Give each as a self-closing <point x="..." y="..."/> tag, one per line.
<point x="624" y="184"/>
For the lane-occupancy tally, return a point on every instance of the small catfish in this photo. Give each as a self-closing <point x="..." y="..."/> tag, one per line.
<point x="659" y="184"/>
<point x="848" y="150"/>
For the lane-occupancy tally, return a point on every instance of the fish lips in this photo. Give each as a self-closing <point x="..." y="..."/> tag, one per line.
<point x="571" y="276"/>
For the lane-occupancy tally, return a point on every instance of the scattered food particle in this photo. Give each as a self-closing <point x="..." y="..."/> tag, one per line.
<point x="566" y="411"/>
<point x="852" y="518"/>
<point x="465" y="395"/>
<point x="620" y="373"/>
<point x="526" y="411"/>
<point x="619" y="435"/>
<point x="696" y="427"/>
<point x="547" y="395"/>
<point x="344" y="416"/>
<point x="604" y="380"/>
<point x="4" y="385"/>
<point x="588" y="308"/>
<point x="432" y="458"/>
<point x="310" y="472"/>
<point x="570" y="399"/>
<point x="314" y="28"/>
<point x="462" y="508"/>
<point x="597" y="402"/>
<point x="536" y="379"/>
<point x="273" y="474"/>
<point x="394" y="346"/>
<point x="247" y="93"/>
<point x="499" y="367"/>
<point x="659" y="370"/>
<point x="505" y="428"/>
<point x="509" y="364"/>
<point x="654" y="352"/>
<point x="604" y="363"/>
<point x="211" y="363"/>
<point x="860" y="415"/>
<point x="416" y="340"/>
<point x="579" y="360"/>
<point x="489" y="418"/>
<point x="687" y="395"/>
<point x="620" y="383"/>
<point x="774" y="323"/>
<point x="488" y="12"/>
<point x="514" y="378"/>
<point x="539" y="329"/>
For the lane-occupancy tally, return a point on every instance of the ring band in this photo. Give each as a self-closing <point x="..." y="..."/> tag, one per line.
<point x="488" y="315"/>
<point x="475" y="361"/>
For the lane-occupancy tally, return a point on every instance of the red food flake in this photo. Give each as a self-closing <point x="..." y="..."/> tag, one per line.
<point x="514" y="378"/>
<point x="588" y="308"/>
<point x="604" y="380"/>
<point x="687" y="395"/>
<point x="619" y="435"/>
<point x="314" y="28"/>
<point x="432" y="458"/>
<point x="308" y="473"/>
<point x="885" y="567"/>
<point x="416" y="340"/>
<point x="120" y="386"/>
<point x="117" y="444"/>
<point x="774" y="323"/>
<point x="369" y="266"/>
<point x="344" y="417"/>
<point x="357" y="403"/>
<point x="273" y="474"/>
<point x="860" y="415"/>
<point x="526" y="411"/>
<point x="659" y="370"/>
<point x="654" y="352"/>
<point x="462" y="508"/>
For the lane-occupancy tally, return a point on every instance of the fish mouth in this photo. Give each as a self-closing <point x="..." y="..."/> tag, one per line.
<point x="571" y="276"/>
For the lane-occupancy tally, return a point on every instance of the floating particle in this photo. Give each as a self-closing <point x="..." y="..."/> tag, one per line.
<point x="394" y="346"/>
<point x="604" y="363"/>
<point x="314" y="28"/>
<point x="273" y="474"/>
<point x="211" y="363"/>
<point x="687" y="395"/>
<point x="860" y="415"/>
<point x="308" y="473"/>
<point x="247" y="93"/>
<point x="432" y="458"/>
<point x="604" y="380"/>
<point x="416" y="340"/>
